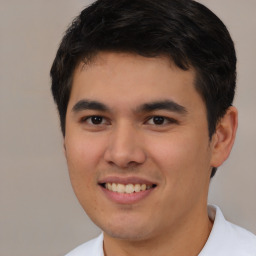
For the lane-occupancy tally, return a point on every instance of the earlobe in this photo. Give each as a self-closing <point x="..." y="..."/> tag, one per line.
<point x="224" y="137"/>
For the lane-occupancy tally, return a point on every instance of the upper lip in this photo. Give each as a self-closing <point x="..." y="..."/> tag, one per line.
<point x="126" y="180"/>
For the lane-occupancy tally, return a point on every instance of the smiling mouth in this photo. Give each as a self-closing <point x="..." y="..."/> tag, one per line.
<point x="127" y="188"/>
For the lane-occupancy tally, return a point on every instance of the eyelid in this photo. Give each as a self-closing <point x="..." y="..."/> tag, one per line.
<point x="106" y="121"/>
<point x="85" y="119"/>
<point x="167" y="120"/>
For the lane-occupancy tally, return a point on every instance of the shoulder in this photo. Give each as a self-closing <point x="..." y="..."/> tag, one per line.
<point x="227" y="238"/>
<point x="242" y="240"/>
<point x="92" y="247"/>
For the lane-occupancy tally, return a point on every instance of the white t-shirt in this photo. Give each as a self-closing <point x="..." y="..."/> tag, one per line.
<point x="226" y="239"/>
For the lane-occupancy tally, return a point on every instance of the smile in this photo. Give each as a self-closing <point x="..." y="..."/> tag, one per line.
<point x="128" y="188"/>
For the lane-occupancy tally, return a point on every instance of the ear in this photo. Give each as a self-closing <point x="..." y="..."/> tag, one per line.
<point x="224" y="137"/>
<point x="64" y="148"/>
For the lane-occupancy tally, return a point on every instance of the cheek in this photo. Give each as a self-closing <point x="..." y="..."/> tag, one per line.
<point x="183" y="162"/>
<point x="83" y="154"/>
<point x="181" y="156"/>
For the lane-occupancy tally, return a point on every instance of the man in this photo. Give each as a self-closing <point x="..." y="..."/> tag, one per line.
<point x="144" y="90"/>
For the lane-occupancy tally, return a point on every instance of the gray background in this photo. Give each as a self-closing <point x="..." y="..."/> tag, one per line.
<point x="39" y="214"/>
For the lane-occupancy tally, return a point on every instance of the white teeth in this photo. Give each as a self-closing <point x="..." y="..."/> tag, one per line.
<point x="137" y="188"/>
<point x="129" y="188"/>
<point x="143" y="187"/>
<point x="114" y="187"/>
<point x="120" y="188"/>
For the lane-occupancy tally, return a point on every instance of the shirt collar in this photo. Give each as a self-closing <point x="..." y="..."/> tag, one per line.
<point x="217" y="241"/>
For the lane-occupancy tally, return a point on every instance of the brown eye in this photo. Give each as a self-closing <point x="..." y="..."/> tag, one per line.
<point x="158" y="120"/>
<point x="96" y="119"/>
<point x="161" y="120"/>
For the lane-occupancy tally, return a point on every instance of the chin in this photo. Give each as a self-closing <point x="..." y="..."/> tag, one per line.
<point x="128" y="231"/>
<point x="132" y="235"/>
<point x="127" y="223"/>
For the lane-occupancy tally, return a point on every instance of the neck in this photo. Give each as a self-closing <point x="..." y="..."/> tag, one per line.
<point x="185" y="238"/>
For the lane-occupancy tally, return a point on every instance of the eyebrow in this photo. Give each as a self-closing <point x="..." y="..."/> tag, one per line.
<point x="163" y="105"/>
<point x="147" y="107"/>
<point x="89" y="105"/>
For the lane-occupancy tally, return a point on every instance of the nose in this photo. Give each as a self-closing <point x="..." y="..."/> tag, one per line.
<point x="125" y="147"/>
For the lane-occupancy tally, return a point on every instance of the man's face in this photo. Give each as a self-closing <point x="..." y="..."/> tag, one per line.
<point x="137" y="121"/>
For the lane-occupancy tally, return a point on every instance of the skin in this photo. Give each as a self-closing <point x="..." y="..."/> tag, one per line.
<point x="175" y="155"/>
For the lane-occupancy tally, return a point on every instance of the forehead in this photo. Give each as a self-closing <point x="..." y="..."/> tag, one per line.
<point x="124" y="77"/>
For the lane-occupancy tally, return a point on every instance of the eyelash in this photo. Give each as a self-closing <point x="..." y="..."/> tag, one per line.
<point x="163" y="120"/>
<point x="87" y="118"/>
<point x="166" y="120"/>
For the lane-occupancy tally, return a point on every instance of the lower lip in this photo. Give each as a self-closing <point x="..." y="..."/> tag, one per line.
<point x="126" y="198"/>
